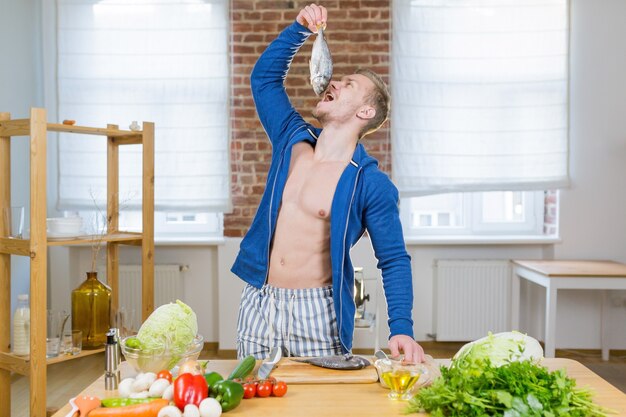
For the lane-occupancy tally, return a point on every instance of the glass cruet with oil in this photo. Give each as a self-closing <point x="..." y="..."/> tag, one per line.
<point x="400" y="377"/>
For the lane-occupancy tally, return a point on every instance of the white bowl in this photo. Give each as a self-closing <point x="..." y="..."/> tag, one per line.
<point x="64" y="225"/>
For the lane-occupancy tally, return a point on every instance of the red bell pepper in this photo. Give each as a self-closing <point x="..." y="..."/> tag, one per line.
<point x="190" y="389"/>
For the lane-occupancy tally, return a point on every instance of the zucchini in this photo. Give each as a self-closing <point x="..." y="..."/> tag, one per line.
<point x="244" y="368"/>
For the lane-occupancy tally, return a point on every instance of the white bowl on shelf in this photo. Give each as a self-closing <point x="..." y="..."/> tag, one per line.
<point x="64" y="226"/>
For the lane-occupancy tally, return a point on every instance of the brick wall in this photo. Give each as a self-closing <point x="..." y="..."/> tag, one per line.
<point x="358" y="36"/>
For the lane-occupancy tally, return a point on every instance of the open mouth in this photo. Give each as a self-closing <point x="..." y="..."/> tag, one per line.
<point x="328" y="97"/>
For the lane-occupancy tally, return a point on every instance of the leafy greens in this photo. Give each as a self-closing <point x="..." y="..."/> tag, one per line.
<point x="509" y="385"/>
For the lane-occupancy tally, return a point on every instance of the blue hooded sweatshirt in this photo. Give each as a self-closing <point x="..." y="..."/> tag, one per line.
<point x="365" y="199"/>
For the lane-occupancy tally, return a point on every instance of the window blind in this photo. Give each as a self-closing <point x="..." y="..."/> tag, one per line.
<point x="479" y="95"/>
<point x="163" y="61"/>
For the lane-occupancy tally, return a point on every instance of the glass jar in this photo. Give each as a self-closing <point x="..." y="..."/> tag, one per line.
<point x="91" y="311"/>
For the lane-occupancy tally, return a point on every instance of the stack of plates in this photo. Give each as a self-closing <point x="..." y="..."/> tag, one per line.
<point x="64" y="227"/>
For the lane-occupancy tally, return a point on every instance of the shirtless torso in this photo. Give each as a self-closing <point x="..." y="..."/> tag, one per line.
<point x="300" y="252"/>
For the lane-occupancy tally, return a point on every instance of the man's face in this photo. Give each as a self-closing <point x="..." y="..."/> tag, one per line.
<point x="343" y="99"/>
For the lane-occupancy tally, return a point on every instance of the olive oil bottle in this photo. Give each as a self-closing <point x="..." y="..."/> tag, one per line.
<point x="91" y="311"/>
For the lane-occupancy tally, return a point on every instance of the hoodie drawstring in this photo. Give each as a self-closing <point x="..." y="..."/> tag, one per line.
<point x="290" y="323"/>
<point x="270" y="342"/>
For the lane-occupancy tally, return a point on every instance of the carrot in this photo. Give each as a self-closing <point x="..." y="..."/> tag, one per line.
<point x="150" y="409"/>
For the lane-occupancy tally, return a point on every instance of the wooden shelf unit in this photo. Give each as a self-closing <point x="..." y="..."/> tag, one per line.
<point x="37" y="127"/>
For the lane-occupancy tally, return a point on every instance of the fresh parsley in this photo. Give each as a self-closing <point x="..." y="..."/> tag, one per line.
<point x="515" y="389"/>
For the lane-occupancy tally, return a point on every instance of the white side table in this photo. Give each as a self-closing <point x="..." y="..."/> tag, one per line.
<point x="556" y="275"/>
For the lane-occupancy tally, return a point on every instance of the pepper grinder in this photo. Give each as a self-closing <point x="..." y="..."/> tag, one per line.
<point x="111" y="358"/>
<point x="118" y="352"/>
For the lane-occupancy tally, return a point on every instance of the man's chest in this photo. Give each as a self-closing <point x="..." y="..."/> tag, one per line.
<point x="311" y="185"/>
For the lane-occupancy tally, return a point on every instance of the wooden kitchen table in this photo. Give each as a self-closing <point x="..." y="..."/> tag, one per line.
<point x="362" y="400"/>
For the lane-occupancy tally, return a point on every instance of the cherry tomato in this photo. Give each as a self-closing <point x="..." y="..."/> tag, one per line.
<point x="249" y="390"/>
<point x="165" y="374"/>
<point x="264" y="389"/>
<point x="279" y="389"/>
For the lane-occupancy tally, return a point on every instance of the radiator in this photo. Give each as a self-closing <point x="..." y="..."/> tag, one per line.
<point x="472" y="297"/>
<point x="168" y="287"/>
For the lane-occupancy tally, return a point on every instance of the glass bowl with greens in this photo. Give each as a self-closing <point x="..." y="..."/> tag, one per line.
<point x="155" y="360"/>
<point x="168" y="336"/>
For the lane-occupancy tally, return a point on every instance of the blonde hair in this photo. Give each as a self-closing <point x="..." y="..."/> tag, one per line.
<point x="379" y="98"/>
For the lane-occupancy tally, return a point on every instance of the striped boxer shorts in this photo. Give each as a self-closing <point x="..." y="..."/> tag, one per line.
<point x="301" y="322"/>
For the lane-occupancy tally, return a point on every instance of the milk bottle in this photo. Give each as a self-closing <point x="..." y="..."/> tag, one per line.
<point x="21" y="326"/>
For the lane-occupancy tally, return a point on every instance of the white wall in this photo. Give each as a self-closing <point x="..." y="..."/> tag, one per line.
<point x="593" y="220"/>
<point x="20" y="89"/>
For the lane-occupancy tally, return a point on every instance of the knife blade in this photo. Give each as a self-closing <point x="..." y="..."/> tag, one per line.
<point x="265" y="369"/>
<point x="268" y="365"/>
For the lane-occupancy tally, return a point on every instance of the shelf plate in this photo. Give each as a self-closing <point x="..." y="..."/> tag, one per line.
<point x="20" y="364"/>
<point x="21" y="127"/>
<point x="82" y="354"/>
<point x="129" y="238"/>
<point x="22" y="246"/>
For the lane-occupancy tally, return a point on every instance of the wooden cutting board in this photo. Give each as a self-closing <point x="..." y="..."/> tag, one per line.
<point x="294" y="372"/>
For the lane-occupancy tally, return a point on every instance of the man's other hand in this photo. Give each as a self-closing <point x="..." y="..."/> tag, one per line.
<point x="413" y="353"/>
<point x="312" y="17"/>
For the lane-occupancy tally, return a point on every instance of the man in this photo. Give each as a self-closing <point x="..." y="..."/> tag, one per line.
<point x="323" y="191"/>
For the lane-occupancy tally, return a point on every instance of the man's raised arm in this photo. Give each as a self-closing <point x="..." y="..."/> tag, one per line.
<point x="268" y="76"/>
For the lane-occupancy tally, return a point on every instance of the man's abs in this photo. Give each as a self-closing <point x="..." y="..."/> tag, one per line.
<point x="300" y="255"/>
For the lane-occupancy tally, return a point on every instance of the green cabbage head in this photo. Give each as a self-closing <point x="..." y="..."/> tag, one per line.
<point x="171" y="327"/>
<point x="499" y="349"/>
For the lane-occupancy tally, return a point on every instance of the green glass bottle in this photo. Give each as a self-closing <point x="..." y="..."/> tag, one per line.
<point x="91" y="311"/>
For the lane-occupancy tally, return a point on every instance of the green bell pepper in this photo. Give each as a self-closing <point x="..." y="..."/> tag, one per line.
<point x="211" y="378"/>
<point x="228" y="393"/>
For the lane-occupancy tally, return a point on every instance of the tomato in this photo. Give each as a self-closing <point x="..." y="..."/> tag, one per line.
<point x="249" y="390"/>
<point x="264" y="389"/>
<point x="279" y="389"/>
<point x="165" y="374"/>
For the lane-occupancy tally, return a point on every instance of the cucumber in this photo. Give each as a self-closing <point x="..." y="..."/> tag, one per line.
<point x="244" y="368"/>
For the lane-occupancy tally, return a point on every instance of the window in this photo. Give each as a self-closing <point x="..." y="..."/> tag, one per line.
<point x="480" y="113"/>
<point x="166" y="62"/>
<point x="481" y="213"/>
<point x="480" y="98"/>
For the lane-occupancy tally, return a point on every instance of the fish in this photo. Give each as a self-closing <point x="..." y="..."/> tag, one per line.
<point x="342" y="362"/>
<point x="320" y="64"/>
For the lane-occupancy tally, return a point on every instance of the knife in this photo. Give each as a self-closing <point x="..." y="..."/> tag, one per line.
<point x="269" y="363"/>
